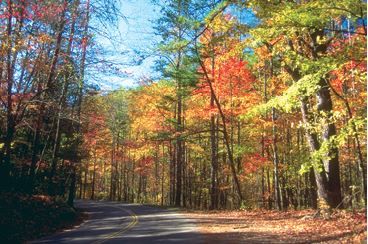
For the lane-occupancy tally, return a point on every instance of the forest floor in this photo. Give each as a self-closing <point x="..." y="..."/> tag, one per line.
<point x="26" y="217"/>
<point x="281" y="227"/>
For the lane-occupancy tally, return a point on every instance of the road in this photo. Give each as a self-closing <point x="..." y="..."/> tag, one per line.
<point x="111" y="222"/>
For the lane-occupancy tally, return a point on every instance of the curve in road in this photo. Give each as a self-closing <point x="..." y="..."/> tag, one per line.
<point x="111" y="222"/>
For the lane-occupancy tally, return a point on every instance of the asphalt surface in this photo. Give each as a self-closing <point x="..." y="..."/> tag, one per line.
<point x="111" y="222"/>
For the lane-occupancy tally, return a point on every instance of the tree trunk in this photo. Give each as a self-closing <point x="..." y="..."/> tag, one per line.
<point x="214" y="161"/>
<point x="179" y="153"/>
<point x="312" y="192"/>
<point x="162" y="176"/>
<point x="225" y="132"/>
<point x="94" y="178"/>
<point x="10" y="125"/>
<point x="80" y="95"/>
<point x="56" y="146"/>
<point x="276" y="162"/>
<point x="328" y="174"/>
<point x="331" y="163"/>
<point x="71" y="194"/>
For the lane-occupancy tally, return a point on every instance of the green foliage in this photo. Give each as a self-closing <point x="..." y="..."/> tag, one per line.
<point x="240" y="150"/>
<point x="290" y="99"/>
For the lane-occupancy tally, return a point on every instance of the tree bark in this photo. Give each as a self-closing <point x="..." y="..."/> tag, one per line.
<point x="214" y="159"/>
<point x="56" y="146"/>
<point x="179" y="153"/>
<point x="94" y="178"/>
<point x="328" y="174"/>
<point x="331" y="163"/>
<point x="80" y="96"/>
<point x="276" y="162"/>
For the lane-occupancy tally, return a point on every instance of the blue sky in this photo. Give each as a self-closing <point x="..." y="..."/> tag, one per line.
<point x="136" y="33"/>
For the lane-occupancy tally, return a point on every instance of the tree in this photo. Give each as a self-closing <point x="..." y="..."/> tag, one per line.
<point x="304" y="50"/>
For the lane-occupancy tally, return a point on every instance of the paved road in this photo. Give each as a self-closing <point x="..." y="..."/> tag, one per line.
<point x="111" y="222"/>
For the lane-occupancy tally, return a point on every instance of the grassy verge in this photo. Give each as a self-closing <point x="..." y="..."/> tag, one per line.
<point x="25" y="217"/>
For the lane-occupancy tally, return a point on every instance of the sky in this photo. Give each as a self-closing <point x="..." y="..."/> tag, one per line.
<point x="136" y="34"/>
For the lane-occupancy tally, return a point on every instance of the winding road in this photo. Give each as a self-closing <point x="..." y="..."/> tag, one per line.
<point x="111" y="222"/>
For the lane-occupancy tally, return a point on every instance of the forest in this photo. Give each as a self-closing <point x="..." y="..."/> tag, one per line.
<point x="271" y="115"/>
<point x="258" y="105"/>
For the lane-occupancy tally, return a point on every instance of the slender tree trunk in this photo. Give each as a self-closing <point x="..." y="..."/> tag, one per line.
<point x="112" y="175"/>
<point x="94" y="177"/>
<point x="56" y="146"/>
<point x="71" y="194"/>
<point x="269" y="190"/>
<point x="225" y="132"/>
<point x="162" y="176"/>
<point x="172" y="172"/>
<point x="10" y="125"/>
<point x="276" y="162"/>
<point x="179" y="129"/>
<point x="85" y="180"/>
<point x="214" y="161"/>
<point x="50" y="78"/>
<point x="179" y="154"/>
<point x="80" y="93"/>
<point x="125" y="180"/>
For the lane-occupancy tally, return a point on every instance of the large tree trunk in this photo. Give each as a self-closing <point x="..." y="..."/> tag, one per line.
<point x="322" y="182"/>
<point x="320" y="175"/>
<point x="312" y="192"/>
<point x="331" y="163"/>
<point x="328" y="174"/>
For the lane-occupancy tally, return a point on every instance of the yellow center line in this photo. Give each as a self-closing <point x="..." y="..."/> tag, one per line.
<point x="126" y="228"/>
